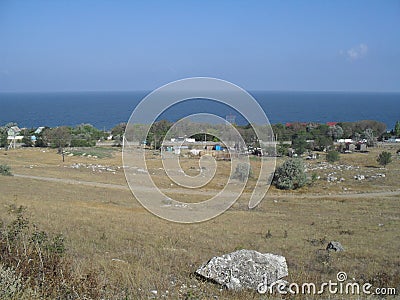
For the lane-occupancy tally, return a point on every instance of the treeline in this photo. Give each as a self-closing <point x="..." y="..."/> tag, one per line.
<point x="310" y="135"/>
<point x="301" y="135"/>
<point x="84" y="135"/>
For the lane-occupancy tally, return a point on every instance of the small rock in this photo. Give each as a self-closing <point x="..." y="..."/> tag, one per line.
<point x="335" y="246"/>
<point x="331" y="179"/>
<point x="359" y="177"/>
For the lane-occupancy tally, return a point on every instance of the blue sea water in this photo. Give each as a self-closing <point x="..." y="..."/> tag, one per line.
<point x="106" y="109"/>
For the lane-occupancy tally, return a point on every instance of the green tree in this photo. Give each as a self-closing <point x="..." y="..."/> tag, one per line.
<point x="157" y="132"/>
<point x="299" y="143"/>
<point x="27" y="140"/>
<point x="336" y="132"/>
<point x="384" y="158"/>
<point x="282" y="149"/>
<point x="3" y="136"/>
<point x="41" y="138"/>
<point x="397" y="129"/>
<point x="85" y="135"/>
<point x="4" y="133"/>
<point x="118" y="133"/>
<point x="332" y="156"/>
<point x="59" y="137"/>
<point x="369" y="136"/>
<point x="322" y="142"/>
<point x="291" y="175"/>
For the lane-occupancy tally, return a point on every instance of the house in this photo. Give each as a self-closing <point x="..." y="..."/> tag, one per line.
<point x="13" y="131"/>
<point x="331" y="124"/>
<point x="13" y="136"/>
<point x="345" y="141"/>
<point x="39" y="130"/>
<point x="181" y="140"/>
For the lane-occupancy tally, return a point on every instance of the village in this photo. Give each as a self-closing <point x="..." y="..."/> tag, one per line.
<point x="15" y="137"/>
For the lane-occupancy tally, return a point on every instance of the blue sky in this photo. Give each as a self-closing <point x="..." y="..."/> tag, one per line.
<point x="258" y="45"/>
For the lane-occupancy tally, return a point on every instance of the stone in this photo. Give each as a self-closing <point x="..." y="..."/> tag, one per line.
<point x="335" y="246"/>
<point x="331" y="178"/>
<point x="244" y="269"/>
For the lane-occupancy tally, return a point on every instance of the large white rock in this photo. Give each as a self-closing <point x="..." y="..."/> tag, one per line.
<point x="244" y="269"/>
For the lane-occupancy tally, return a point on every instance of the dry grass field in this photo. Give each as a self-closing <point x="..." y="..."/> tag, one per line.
<point x="128" y="253"/>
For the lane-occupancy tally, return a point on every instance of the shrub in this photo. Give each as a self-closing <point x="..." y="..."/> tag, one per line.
<point x="10" y="283"/>
<point x="82" y="143"/>
<point x="314" y="177"/>
<point x="283" y="149"/>
<point x="291" y="175"/>
<point x="33" y="261"/>
<point x="332" y="156"/>
<point x="384" y="158"/>
<point x="5" y="170"/>
<point x="242" y="172"/>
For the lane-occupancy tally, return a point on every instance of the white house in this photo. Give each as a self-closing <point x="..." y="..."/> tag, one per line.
<point x="13" y="136"/>
<point x="345" y="141"/>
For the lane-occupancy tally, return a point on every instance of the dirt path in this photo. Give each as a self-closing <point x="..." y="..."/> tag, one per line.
<point x="74" y="181"/>
<point x="179" y="191"/>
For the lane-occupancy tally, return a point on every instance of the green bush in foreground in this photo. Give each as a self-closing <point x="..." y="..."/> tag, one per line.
<point x="291" y="175"/>
<point x="332" y="156"/>
<point x="384" y="158"/>
<point x="5" y="170"/>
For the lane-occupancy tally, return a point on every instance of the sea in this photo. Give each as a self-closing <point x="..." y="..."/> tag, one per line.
<point x="104" y="110"/>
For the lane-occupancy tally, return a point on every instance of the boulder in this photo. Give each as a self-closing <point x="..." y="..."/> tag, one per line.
<point x="244" y="269"/>
<point x="335" y="246"/>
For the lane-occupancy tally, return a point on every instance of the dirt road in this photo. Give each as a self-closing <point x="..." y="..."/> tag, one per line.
<point x="376" y="194"/>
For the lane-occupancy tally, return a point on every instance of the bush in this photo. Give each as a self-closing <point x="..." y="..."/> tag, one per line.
<point x="291" y="175"/>
<point x="283" y="149"/>
<point x="34" y="264"/>
<point x="332" y="156"/>
<point x="10" y="283"/>
<point x="242" y="172"/>
<point x="5" y="170"/>
<point x="82" y="143"/>
<point x="384" y="158"/>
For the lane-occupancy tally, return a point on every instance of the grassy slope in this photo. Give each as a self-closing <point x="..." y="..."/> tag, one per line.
<point x="135" y="252"/>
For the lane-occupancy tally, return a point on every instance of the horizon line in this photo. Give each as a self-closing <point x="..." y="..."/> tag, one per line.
<point x="150" y="90"/>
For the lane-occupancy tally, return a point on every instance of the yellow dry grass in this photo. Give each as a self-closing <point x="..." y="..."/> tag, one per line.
<point x="135" y="252"/>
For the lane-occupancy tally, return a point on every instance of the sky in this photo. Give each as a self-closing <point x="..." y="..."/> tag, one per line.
<point x="140" y="45"/>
